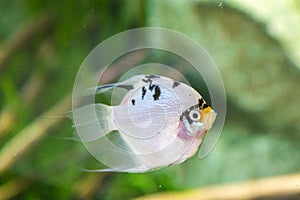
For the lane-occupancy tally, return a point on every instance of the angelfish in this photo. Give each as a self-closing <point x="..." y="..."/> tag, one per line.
<point x="159" y="122"/>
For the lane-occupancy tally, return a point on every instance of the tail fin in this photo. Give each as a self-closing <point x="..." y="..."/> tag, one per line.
<point x="93" y="121"/>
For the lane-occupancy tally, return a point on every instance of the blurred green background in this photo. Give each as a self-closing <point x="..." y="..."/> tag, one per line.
<point x="42" y="44"/>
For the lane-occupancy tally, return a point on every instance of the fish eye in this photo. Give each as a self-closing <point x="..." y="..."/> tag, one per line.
<point x="194" y="115"/>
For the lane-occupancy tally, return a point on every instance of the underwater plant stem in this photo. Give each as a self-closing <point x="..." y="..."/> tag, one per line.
<point x="267" y="187"/>
<point x="12" y="188"/>
<point x="23" y="36"/>
<point x="87" y="187"/>
<point x="29" y="93"/>
<point x="24" y="140"/>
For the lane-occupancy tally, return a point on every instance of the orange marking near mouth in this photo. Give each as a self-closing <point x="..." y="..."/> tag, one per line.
<point x="207" y="110"/>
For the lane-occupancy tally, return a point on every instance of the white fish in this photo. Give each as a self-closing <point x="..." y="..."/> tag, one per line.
<point x="159" y="122"/>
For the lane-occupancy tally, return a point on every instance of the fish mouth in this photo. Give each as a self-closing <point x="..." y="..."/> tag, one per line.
<point x="186" y="134"/>
<point x="182" y="132"/>
<point x="210" y="119"/>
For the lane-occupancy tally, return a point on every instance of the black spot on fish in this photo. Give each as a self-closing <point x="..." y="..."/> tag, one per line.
<point x="157" y="93"/>
<point x="202" y="104"/>
<point x="148" y="78"/>
<point x="152" y="76"/>
<point x="146" y="81"/>
<point x="143" y="92"/>
<point x="133" y="101"/>
<point x="175" y="84"/>
<point x="205" y="106"/>
<point x="151" y="87"/>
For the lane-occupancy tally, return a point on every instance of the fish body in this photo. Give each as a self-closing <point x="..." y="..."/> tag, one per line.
<point x="159" y="122"/>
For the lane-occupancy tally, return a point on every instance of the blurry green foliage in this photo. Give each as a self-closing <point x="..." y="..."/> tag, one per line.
<point x="247" y="149"/>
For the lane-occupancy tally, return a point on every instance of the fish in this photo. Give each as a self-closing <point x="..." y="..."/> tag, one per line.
<point x="159" y="122"/>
